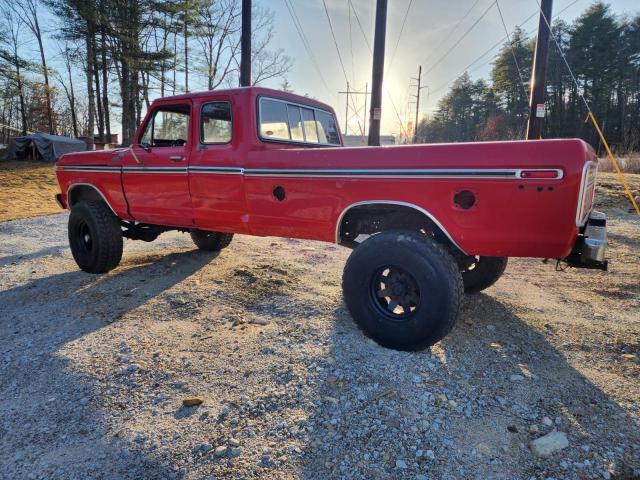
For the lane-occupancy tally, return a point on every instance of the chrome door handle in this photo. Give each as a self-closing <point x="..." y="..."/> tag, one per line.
<point x="176" y="158"/>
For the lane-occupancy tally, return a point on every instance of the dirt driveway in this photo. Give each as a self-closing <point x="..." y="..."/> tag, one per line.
<point x="94" y="369"/>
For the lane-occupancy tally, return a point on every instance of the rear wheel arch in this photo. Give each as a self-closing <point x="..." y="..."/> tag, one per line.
<point x="377" y="216"/>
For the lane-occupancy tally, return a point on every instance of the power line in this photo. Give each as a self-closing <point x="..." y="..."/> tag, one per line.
<point x="305" y="41"/>
<point x="494" y="46"/>
<point x="513" y="53"/>
<point x="355" y="14"/>
<point x="335" y="42"/>
<point x="353" y="67"/>
<point x="404" y="21"/>
<point x="344" y="71"/>
<point x="564" y="58"/>
<point x="591" y="116"/>
<point x="464" y="35"/>
<point x="454" y="29"/>
<point x="511" y="47"/>
<point x="364" y="35"/>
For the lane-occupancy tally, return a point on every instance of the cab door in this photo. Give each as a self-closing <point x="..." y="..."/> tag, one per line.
<point x="155" y="176"/>
<point x="215" y="168"/>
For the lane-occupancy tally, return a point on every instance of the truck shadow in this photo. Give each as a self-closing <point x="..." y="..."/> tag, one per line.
<point x="459" y="400"/>
<point x="53" y="416"/>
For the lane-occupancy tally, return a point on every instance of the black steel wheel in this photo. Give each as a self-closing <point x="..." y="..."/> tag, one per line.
<point x="482" y="272"/>
<point x="395" y="292"/>
<point x="402" y="289"/>
<point x="95" y="237"/>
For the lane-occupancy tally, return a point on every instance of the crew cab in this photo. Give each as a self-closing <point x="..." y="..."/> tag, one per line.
<point x="426" y="222"/>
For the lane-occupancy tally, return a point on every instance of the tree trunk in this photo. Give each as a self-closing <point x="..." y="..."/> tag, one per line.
<point x="210" y="62"/>
<point x="128" y="113"/>
<point x="45" y="73"/>
<point x="90" y="91"/>
<point x="96" y="76"/>
<point x="175" y="60"/>
<point x="186" y="57"/>
<point x="72" y="101"/>
<point x="105" y="79"/>
<point x="23" y="112"/>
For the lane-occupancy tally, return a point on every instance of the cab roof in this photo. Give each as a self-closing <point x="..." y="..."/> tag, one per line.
<point x="251" y="91"/>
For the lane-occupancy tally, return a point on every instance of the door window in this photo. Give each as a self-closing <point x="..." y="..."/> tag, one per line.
<point x="168" y="127"/>
<point x="215" y="122"/>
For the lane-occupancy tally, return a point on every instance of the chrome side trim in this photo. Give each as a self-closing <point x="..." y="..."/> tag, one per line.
<point x="154" y="170"/>
<point x="388" y="173"/>
<point x="86" y="168"/>
<point x="74" y="185"/>
<point x="395" y="202"/>
<point x="219" y="170"/>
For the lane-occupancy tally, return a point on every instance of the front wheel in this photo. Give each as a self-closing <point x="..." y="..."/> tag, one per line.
<point x="483" y="272"/>
<point x="95" y="237"/>
<point x="402" y="289"/>
<point x="211" y="241"/>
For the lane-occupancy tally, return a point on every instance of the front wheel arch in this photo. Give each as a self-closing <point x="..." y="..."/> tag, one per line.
<point x="87" y="192"/>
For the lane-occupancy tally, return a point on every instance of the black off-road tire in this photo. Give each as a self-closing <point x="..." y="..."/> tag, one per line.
<point x="483" y="273"/>
<point x="211" y="241"/>
<point x="419" y="262"/>
<point x="95" y="237"/>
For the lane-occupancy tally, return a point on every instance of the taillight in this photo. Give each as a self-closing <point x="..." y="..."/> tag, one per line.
<point x="555" y="174"/>
<point x="587" y="192"/>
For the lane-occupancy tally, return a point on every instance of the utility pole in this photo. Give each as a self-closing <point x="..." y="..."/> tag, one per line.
<point x="417" y="97"/>
<point x="366" y="95"/>
<point x="539" y="73"/>
<point x="377" y="73"/>
<point x="351" y="93"/>
<point x="346" y="115"/>
<point x="245" y="45"/>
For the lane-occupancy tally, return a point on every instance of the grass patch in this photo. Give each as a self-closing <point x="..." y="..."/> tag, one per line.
<point x="630" y="164"/>
<point x="27" y="189"/>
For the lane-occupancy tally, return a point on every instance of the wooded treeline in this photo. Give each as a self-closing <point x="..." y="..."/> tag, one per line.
<point x="140" y="49"/>
<point x="604" y="54"/>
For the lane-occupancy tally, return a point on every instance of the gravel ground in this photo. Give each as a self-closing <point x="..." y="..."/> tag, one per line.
<point x="94" y="369"/>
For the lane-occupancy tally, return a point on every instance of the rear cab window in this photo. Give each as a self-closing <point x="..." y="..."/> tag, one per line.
<point x="283" y="121"/>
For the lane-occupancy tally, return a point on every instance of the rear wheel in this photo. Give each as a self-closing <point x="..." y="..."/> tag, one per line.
<point x="402" y="289"/>
<point x="482" y="273"/>
<point x="95" y="237"/>
<point x="211" y="241"/>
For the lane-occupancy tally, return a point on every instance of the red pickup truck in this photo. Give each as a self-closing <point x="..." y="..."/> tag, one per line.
<point x="425" y="222"/>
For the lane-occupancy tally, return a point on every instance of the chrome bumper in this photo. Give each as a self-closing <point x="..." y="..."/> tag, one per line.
<point x="589" y="249"/>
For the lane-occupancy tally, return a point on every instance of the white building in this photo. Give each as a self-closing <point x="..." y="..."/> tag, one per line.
<point x="360" y="141"/>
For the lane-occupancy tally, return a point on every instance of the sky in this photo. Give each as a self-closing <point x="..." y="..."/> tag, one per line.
<point x="431" y="29"/>
<point x="432" y="37"/>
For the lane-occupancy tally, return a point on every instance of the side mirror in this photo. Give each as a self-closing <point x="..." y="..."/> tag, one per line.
<point x="145" y="146"/>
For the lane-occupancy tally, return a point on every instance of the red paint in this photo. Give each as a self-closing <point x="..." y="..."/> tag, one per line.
<point x="531" y="216"/>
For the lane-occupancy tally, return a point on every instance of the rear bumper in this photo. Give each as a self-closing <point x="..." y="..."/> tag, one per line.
<point x="589" y="248"/>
